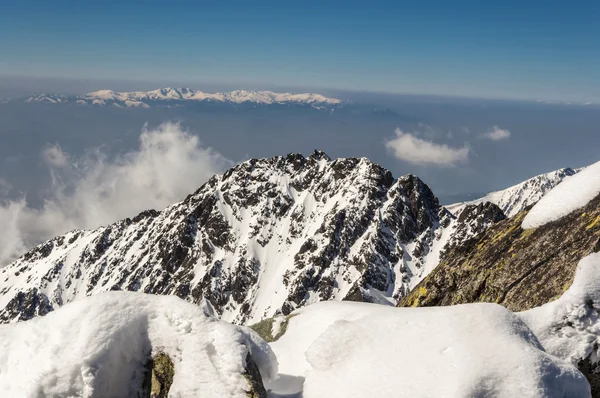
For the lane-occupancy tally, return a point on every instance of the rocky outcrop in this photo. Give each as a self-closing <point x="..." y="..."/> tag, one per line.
<point x="27" y="304"/>
<point x="591" y="371"/>
<point x="517" y="268"/>
<point x="271" y="329"/>
<point x="252" y="375"/>
<point x="473" y="220"/>
<point x="160" y="371"/>
<point x="520" y="269"/>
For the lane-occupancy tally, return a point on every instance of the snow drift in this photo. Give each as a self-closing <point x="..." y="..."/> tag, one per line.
<point x="569" y="327"/>
<point x="99" y="346"/>
<point x="358" y="350"/>
<point x="573" y="193"/>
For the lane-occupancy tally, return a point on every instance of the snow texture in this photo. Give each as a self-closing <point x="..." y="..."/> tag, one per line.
<point x="569" y="327"/>
<point x="573" y="193"/>
<point x="516" y="198"/>
<point x="359" y="350"/>
<point x="97" y="347"/>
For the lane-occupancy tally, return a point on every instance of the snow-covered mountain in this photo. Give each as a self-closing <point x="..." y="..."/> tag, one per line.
<point x="268" y="236"/>
<point x="355" y="211"/>
<point x="174" y="96"/>
<point x="516" y="198"/>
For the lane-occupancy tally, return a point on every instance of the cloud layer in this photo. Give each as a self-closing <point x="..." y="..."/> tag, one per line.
<point x="54" y="156"/>
<point x="412" y="149"/>
<point x="95" y="190"/>
<point x="497" y="134"/>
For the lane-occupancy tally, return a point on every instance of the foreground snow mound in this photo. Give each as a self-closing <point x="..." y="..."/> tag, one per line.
<point x="569" y="327"/>
<point x="573" y="193"/>
<point x="360" y="350"/>
<point x="99" y="347"/>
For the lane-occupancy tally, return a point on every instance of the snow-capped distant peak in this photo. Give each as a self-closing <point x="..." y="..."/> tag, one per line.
<point x="170" y="95"/>
<point x="48" y="98"/>
<point x="102" y="94"/>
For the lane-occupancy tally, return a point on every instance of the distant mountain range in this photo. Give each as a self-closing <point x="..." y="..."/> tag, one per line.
<point x="178" y="96"/>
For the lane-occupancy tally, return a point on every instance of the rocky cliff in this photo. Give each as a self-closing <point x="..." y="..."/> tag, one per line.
<point x="518" y="268"/>
<point x="266" y="237"/>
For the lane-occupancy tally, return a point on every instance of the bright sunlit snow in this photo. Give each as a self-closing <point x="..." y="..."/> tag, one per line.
<point x="570" y="326"/>
<point x="97" y="347"/>
<point x="573" y="193"/>
<point x="364" y="350"/>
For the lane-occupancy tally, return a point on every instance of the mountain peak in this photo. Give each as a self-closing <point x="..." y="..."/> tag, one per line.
<point x="266" y="237"/>
<point x="319" y="155"/>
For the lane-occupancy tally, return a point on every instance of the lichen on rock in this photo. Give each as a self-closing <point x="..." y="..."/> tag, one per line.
<point x="264" y="328"/>
<point x="517" y="268"/>
<point x="160" y="371"/>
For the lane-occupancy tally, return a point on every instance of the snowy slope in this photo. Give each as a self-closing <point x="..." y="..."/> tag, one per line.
<point x="344" y="349"/>
<point x="574" y="193"/>
<point x="99" y="347"/>
<point x="570" y="326"/>
<point x="516" y="198"/>
<point x="268" y="236"/>
<point x="173" y="96"/>
<point x="355" y="349"/>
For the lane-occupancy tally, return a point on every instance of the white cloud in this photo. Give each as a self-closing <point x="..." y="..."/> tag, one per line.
<point x="412" y="149"/>
<point x="54" y="156"/>
<point x="497" y="134"/>
<point x="5" y="187"/>
<point x="95" y="190"/>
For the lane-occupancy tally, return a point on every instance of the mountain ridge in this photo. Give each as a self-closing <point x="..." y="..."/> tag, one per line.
<point x="516" y="198"/>
<point x="172" y="96"/>
<point x="266" y="237"/>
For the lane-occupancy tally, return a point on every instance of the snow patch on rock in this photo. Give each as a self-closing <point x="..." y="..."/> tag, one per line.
<point x="573" y="193"/>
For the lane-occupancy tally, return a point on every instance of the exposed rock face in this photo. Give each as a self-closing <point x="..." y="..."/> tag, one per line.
<point x="252" y="375"/>
<point x="161" y="370"/>
<point x="266" y="328"/>
<point x="159" y="377"/>
<point x="591" y="371"/>
<point x="473" y="220"/>
<point x="268" y="236"/>
<point x="517" y="268"/>
<point x="27" y="304"/>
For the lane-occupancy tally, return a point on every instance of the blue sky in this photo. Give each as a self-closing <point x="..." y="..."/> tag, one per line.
<point x="508" y="49"/>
